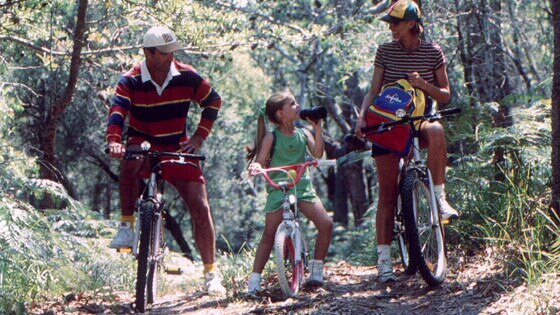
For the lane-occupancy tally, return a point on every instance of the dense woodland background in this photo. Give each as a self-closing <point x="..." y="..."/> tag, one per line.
<point x="60" y="61"/>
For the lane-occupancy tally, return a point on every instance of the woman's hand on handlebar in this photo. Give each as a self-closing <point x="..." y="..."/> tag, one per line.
<point x="360" y="123"/>
<point x="116" y="150"/>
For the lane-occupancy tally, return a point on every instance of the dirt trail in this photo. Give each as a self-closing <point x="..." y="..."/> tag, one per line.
<point x="474" y="286"/>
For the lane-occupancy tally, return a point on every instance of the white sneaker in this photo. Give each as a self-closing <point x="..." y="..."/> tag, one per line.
<point x="254" y="284"/>
<point x="447" y="212"/>
<point x="124" y="237"/>
<point x="315" y="273"/>
<point x="385" y="273"/>
<point x="213" y="284"/>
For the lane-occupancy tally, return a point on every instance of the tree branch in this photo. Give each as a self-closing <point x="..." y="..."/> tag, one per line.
<point x="261" y="15"/>
<point x="100" y="51"/>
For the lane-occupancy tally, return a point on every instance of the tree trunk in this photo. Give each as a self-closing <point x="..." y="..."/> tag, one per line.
<point x="175" y="229"/>
<point x="49" y="164"/>
<point x="555" y="204"/>
<point x="485" y="70"/>
<point x="340" y="202"/>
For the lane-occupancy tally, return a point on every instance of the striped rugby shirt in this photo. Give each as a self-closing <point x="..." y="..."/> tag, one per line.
<point x="397" y="62"/>
<point x="161" y="119"/>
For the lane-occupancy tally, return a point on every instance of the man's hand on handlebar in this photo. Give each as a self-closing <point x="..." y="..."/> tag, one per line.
<point x="116" y="150"/>
<point x="192" y="145"/>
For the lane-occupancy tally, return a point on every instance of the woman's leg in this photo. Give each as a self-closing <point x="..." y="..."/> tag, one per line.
<point x="388" y="177"/>
<point x="432" y="136"/>
<point x="387" y="166"/>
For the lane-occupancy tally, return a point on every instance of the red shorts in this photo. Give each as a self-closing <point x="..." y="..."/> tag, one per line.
<point x="191" y="171"/>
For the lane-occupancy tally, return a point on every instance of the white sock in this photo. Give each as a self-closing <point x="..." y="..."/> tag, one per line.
<point x="255" y="275"/>
<point x="383" y="252"/>
<point x="439" y="191"/>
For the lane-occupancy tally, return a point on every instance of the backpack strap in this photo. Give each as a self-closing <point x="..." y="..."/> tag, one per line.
<point x="272" y="147"/>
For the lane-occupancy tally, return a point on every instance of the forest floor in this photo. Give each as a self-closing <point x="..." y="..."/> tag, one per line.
<point x="475" y="284"/>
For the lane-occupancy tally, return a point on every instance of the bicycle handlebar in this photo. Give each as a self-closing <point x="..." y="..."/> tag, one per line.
<point x="132" y="154"/>
<point x="409" y="119"/>
<point x="298" y="168"/>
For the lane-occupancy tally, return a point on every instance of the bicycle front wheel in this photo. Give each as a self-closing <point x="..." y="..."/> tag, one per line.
<point x="158" y="253"/>
<point x="399" y="236"/>
<point x="145" y="273"/>
<point x="424" y="231"/>
<point x="290" y="271"/>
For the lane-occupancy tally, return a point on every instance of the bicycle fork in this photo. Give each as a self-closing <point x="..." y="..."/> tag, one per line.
<point x="292" y="226"/>
<point x="428" y="180"/>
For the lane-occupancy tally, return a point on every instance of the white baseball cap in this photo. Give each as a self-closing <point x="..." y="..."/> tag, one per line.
<point x="162" y="38"/>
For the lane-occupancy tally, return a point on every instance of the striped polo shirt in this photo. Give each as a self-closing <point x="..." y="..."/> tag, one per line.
<point x="397" y="62"/>
<point x="161" y="118"/>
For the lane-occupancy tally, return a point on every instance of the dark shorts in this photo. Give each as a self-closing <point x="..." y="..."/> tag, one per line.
<point x="378" y="151"/>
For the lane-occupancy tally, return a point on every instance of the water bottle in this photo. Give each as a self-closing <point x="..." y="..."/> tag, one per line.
<point x="313" y="113"/>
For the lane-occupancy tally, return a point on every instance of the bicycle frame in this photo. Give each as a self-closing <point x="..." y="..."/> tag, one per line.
<point x="415" y="185"/>
<point x="148" y="244"/>
<point x="290" y="226"/>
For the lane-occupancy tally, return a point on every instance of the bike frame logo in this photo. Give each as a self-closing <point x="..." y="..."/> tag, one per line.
<point x="393" y="98"/>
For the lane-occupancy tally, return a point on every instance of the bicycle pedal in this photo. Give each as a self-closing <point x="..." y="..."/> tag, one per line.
<point x="124" y="250"/>
<point x="445" y="222"/>
<point x="174" y="271"/>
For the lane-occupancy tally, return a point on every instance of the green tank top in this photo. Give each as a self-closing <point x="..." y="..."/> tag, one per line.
<point x="289" y="150"/>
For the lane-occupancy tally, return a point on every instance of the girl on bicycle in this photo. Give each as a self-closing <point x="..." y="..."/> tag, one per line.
<point x="290" y="147"/>
<point x="423" y="64"/>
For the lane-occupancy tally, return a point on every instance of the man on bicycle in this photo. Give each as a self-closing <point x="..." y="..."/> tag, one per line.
<point x="156" y="95"/>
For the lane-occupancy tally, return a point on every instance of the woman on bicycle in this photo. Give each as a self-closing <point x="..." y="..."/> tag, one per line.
<point x="423" y="64"/>
<point x="290" y="147"/>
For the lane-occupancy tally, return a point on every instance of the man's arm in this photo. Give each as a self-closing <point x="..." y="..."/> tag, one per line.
<point x="211" y="103"/>
<point x="120" y="106"/>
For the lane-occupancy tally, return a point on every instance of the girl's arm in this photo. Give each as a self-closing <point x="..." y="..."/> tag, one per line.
<point x="315" y="143"/>
<point x="264" y="151"/>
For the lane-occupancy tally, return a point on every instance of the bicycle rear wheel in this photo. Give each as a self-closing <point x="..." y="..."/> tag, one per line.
<point x="145" y="273"/>
<point x="424" y="231"/>
<point x="290" y="271"/>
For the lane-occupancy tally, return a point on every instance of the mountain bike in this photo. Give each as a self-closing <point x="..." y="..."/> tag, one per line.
<point x="418" y="228"/>
<point x="149" y="245"/>
<point x="290" y="246"/>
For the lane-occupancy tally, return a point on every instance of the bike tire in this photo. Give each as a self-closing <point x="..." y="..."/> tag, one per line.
<point x="399" y="232"/>
<point x="143" y="272"/>
<point x="290" y="272"/>
<point x="426" y="241"/>
<point x="156" y="264"/>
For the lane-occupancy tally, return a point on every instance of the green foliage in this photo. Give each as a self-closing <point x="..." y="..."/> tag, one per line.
<point x="46" y="254"/>
<point x="513" y="213"/>
<point x="247" y="50"/>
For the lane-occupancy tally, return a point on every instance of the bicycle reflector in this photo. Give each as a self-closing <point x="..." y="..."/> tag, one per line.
<point x="145" y="145"/>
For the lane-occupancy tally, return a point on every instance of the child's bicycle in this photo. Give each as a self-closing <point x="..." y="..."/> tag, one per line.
<point x="149" y="245"/>
<point x="290" y="247"/>
<point x="418" y="226"/>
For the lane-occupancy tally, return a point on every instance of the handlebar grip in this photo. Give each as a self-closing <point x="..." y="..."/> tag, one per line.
<point x="326" y="162"/>
<point x="369" y="128"/>
<point x="450" y="111"/>
<point x="196" y="157"/>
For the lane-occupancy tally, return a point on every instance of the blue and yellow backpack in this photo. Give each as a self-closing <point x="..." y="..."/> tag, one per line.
<point x="393" y="97"/>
